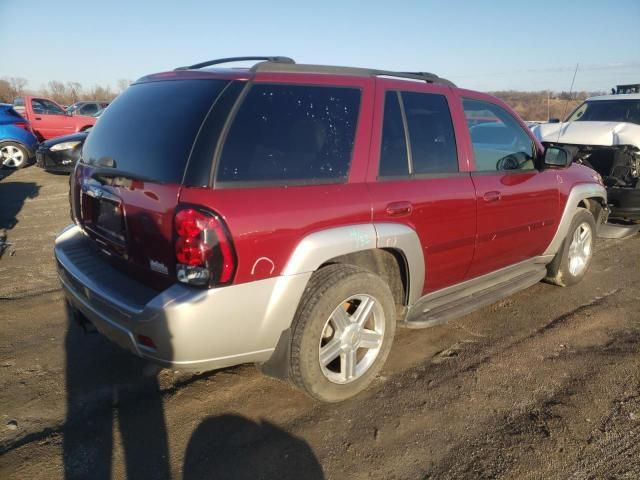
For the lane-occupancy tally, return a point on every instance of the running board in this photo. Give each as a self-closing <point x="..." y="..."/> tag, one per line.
<point x="438" y="308"/>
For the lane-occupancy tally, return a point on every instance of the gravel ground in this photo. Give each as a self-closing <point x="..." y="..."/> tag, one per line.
<point x="544" y="384"/>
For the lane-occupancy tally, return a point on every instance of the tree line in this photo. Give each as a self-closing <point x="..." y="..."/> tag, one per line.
<point x="64" y="93"/>
<point x="545" y="104"/>
<point x="529" y="105"/>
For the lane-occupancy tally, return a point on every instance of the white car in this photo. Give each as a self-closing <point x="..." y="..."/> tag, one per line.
<point x="604" y="133"/>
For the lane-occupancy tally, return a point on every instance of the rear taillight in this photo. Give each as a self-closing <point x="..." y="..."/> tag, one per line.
<point x="204" y="252"/>
<point x="24" y="125"/>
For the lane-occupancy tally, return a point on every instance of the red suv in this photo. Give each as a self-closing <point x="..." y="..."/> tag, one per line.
<point x="291" y="215"/>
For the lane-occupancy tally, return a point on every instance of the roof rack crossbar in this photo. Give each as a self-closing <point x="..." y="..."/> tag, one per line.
<point x="218" y="61"/>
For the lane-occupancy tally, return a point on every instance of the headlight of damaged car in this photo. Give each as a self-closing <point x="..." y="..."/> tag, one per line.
<point x="65" y="146"/>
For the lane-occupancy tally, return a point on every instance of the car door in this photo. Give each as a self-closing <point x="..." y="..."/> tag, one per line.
<point x="421" y="179"/>
<point x="49" y="119"/>
<point x="517" y="202"/>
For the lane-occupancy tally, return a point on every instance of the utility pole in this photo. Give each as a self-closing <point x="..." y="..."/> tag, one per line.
<point x="548" y="105"/>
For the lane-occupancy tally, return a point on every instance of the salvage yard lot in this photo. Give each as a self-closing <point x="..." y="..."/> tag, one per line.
<point x="544" y="384"/>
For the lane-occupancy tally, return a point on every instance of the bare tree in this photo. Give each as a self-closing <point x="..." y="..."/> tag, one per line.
<point x="123" y="84"/>
<point x="74" y="90"/>
<point x="57" y="91"/>
<point x="6" y="92"/>
<point x="17" y="84"/>
<point x="11" y="87"/>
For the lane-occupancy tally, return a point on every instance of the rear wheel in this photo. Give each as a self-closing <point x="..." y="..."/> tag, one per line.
<point x="13" y="155"/>
<point x="572" y="261"/>
<point x="342" y="332"/>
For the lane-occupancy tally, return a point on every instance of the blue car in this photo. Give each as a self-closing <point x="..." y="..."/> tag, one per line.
<point x="17" y="141"/>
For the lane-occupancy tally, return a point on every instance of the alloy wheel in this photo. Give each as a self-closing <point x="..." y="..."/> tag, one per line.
<point x="11" y="156"/>
<point x="581" y="249"/>
<point x="351" y="339"/>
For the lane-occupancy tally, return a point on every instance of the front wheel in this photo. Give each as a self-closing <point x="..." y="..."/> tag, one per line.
<point x="572" y="261"/>
<point x="342" y="332"/>
<point x="13" y="155"/>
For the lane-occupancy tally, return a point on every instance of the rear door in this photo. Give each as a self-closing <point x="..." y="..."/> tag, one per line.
<point x="517" y="203"/>
<point x="49" y="119"/>
<point x="419" y="176"/>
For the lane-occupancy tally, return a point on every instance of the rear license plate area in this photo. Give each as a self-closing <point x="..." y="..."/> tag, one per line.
<point x="108" y="218"/>
<point x="103" y="218"/>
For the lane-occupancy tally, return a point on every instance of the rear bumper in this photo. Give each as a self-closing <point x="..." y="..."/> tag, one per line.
<point x="624" y="203"/>
<point x="192" y="329"/>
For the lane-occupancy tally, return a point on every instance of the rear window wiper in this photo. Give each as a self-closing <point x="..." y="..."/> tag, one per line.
<point x="109" y="176"/>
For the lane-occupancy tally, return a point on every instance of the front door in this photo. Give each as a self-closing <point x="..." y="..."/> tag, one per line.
<point x="49" y="119"/>
<point x="517" y="203"/>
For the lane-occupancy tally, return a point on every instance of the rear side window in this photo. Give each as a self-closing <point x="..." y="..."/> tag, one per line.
<point x="422" y="122"/>
<point x="291" y="134"/>
<point x="431" y="134"/>
<point x="150" y="128"/>
<point x="88" y="109"/>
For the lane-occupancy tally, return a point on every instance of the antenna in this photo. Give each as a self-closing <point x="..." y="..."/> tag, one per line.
<point x="566" y="104"/>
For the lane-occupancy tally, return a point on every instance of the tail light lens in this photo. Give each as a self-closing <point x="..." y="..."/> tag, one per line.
<point x="204" y="252"/>
<point x="24" y="125"/>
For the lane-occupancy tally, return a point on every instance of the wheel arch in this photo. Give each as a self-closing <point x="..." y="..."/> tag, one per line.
<point x="591" y="196"/>
<point x="390" y="249"/>
<point x="365" y="245"/>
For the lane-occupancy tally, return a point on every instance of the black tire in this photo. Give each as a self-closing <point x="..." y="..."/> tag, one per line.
<point x="328" y="289"/>
<point x="23" y="151"/>
<point x="558" y="271"/>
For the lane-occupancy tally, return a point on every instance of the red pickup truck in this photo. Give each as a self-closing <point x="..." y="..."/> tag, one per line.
<point x="49" y="119"/>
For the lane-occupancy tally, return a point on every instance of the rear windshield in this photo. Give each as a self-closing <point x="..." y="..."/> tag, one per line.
<point x="9" y="111"/>
<point x="148" y="131"/>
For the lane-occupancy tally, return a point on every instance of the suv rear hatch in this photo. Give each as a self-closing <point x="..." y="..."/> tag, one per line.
<point x="125" y="189"/>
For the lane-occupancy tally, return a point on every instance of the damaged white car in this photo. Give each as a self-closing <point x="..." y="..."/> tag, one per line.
<point x="604" y="134"/>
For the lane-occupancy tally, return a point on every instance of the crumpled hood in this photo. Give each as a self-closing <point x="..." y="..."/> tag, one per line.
<point x="589" y="133"/>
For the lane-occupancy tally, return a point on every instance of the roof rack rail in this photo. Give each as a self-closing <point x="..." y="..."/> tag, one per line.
<point x="218" y="61"/>
<point x="361" y="72"/>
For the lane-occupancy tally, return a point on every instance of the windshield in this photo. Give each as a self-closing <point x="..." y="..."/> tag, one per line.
<point x="607" y="111"/>
<point x="149" y="129"/>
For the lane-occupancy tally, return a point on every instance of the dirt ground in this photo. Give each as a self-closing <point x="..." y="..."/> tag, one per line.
<point x="545" y="384"/>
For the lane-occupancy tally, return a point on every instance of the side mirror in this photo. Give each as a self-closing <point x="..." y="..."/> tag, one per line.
<point x="554" y="120"/>
<point x="557" y="157"/>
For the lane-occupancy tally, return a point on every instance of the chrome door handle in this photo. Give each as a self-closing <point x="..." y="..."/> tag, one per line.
<point x="492" y="196"/>
<point x="398" y="209"/>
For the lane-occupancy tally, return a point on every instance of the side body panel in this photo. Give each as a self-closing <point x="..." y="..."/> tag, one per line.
<point x="266" y="223"/>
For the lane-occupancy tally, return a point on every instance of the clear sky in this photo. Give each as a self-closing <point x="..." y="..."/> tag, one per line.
<point x="484" y="45"/>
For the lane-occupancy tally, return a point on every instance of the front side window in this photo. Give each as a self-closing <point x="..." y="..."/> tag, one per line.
<point x="431" y="134"/>
<point x="500" y="144"/>
<point x="291" y="134"/>
<point x="45" y="107"/>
